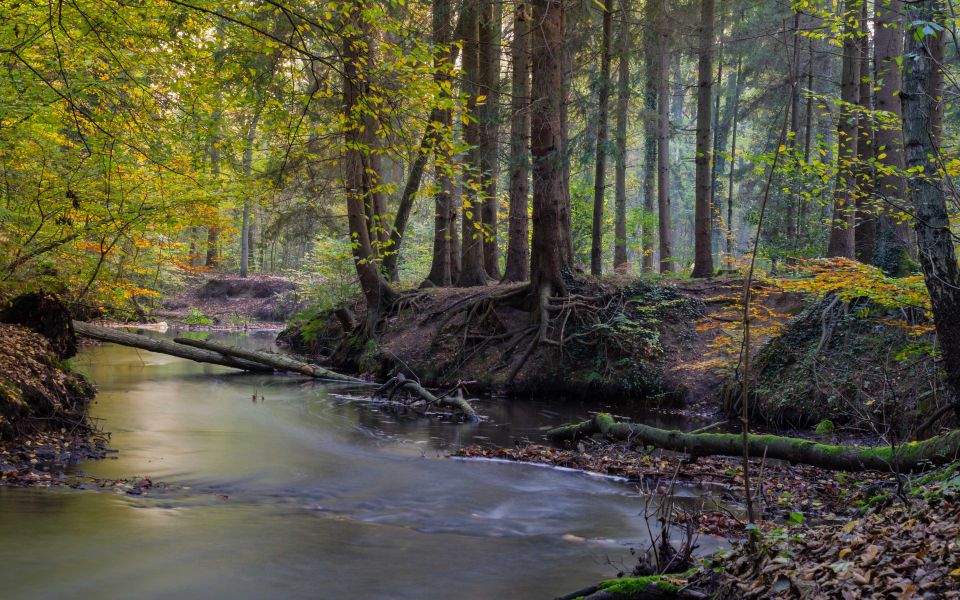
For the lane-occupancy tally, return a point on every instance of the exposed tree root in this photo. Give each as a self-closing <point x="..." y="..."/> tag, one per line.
<point x="915" y="457"/>
<point x="401" y="385"/>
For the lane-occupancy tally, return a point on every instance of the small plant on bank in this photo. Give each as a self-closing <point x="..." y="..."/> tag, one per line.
<point x="196" y="317"/>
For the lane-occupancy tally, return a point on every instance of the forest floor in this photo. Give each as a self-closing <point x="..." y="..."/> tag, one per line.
<point x="819" y="534"/>
<point x="230" y="302"/>
<point x="639" y="339"/>
<point x="43" y="423"/>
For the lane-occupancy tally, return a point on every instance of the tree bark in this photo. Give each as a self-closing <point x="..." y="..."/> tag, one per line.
<point x="377" y="292"/>
<point x="891" y="248"/>
<point x="547" y="148"/>
<point x="932" y="223"/>
<point x="279" y="362"/>
<point x="703" y="244"/>
<point x="663" y="142"/>
<point x="733" y="158"/>
<point x="793" y="199"/>
<point x="600" y="173"/>
<point x="518" y="245"/>
<point x="620" y="175"/>
<point x="650" y="142"/>
<point x="471" y="254"/>
<point x="842" y="228"/>
<point x="489" y="116"/>
<point x="866" y="221"/>
<point x="165" y="347"/>
<point x="916" y="457"/>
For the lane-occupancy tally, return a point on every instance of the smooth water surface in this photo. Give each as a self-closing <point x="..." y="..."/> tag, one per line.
<point x="307" y="494"/>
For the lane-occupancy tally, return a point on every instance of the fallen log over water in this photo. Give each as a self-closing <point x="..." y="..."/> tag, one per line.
<point x="401" y="384"/>
<point x="913" y="456"/>
<point x="143" y="342"/>
<point x="280" y="362"/>
<point x="210" y="352"/>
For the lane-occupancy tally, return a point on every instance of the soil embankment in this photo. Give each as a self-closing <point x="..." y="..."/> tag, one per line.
<point x="257" y="301"/>
<point x="631" y="338"/>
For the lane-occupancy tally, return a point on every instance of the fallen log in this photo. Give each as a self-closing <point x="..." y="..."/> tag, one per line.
<point x="280" y="362"/>
<point x="143" y="342"/>
<point x="400" y="383"/>
<point x="651" y="587"/>
<point x="913" y="456"/>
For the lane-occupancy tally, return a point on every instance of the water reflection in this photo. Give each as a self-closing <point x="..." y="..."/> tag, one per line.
<point x="305" y="494"/>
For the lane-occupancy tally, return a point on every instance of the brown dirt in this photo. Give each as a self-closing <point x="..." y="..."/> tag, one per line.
<point x="658" y="335"/>
<point x="258" y="301"/>
<point x="36" y="392"/>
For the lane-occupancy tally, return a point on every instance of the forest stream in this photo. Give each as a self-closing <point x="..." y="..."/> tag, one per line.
<point x="307" y="493"/>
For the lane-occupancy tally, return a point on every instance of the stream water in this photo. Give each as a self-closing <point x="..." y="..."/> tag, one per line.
<point x="307" y="494"/>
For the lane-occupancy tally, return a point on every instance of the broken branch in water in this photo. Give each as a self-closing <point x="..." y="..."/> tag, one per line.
<point x="400" y="383"/>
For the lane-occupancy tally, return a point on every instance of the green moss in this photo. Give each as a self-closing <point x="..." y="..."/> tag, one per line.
<point x="825" y="427"/>
<point x="634" y="586"/>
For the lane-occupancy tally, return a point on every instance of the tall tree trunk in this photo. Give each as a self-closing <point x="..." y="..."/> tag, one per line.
<point x="620" y="175"/>
<point x="842" y="230"/>
<point x="651" y="65"/>
<point x="245" y="232"/>
<point x="546" y="146"/>
<point x="891" y="248"/>
<point x="663" y="142"/>
<point x="703" y="245"/>
<point x="936" y="250"/>
<point x="377" y="292"/>
<point x="600" y="174"/>
<point x="793" y="199"/>
<point x="489" y="116"/>
<point x="733" y="157"/>
<point x="443" y="225"/>
<point x="213" y="230"/>
<point x="471" y="255"/>
<point x="518" y="245"/>
<point x="866" y="224"/>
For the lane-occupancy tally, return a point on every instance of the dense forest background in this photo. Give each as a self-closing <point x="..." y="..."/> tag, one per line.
<point x="141" y="143"/>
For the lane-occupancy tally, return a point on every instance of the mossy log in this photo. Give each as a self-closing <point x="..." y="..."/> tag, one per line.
<point x="651" y="587"/>
<point x="106" y="334"/>
<point x="210" y="352"/>
<point x="280" y="362"/>
<point x="913" y="456"/>
<point x="401" y="383"/>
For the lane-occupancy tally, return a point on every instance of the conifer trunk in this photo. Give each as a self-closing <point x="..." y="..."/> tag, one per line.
<point x="663" y="142"/>
<point x="600" y="173"/>
<point x="518" y="244"/>
<point x="620" y="175"/>
<point x="703" y="244"/>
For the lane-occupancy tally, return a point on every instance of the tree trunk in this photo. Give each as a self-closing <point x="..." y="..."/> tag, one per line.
<point x="890" y="251"/>
<point x="620" y="175"/>
<point x="489" y="117"/>
<point x="518" y="245"/>
<point x="471" y="254"/>
<point x="866" y="223"/>
<point x="733" y="158"/>
<point x="245" y="236"/>
<point x="600" y="173"/>
<point x="915" y="457"/>
<point x="703" y="245"/>
<point x="663" y="142"/>
<point x="934" y="239"/>
<point x="793" y="200"/>
<point x="547" y="148"/>
<point x="273" y="360"/>
<point x="842" y="228"/>
<point x="440" y="120"/>
<point x="651" y="64"/>
<point x="377" y="292"/>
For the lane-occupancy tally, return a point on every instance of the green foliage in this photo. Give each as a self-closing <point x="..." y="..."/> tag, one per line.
<point x="196" y="317"/>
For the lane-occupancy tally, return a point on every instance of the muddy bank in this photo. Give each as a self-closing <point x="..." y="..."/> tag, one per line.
<point x="253" y="302"/>
<point x="630" y="338"/>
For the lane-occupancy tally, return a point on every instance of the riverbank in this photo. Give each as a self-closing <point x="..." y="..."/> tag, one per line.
<point x="43" y="411"/>
<point x="819" y="534"/>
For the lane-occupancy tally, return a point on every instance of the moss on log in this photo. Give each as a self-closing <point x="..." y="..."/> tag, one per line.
<point x="650" y="587"/>
<point x="913" y="456"/>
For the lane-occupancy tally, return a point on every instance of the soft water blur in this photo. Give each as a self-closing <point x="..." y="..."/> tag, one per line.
<point x="307" y="493"/>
